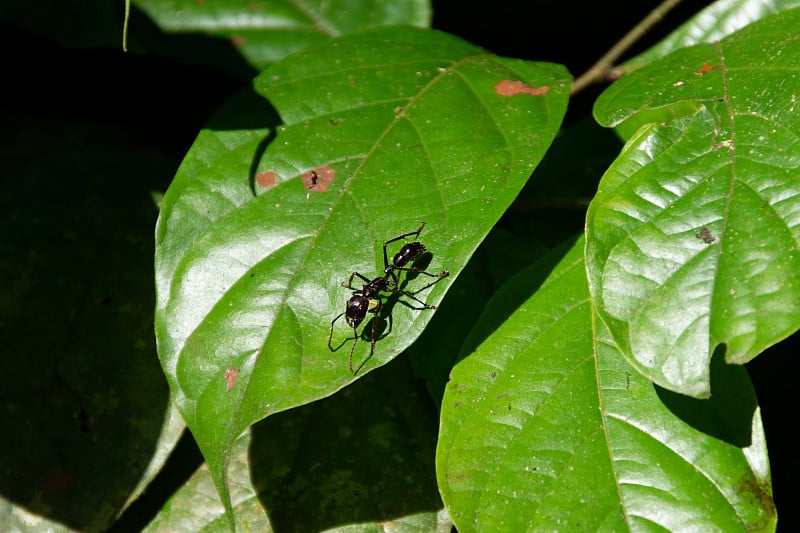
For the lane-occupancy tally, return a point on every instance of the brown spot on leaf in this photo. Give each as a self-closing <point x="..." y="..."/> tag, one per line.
<point x="319" y="179"/>
<point x="705" y="235"/>
<point x="706" y="68"/>
<point x="238" y="41"/>
<point x="334" y="121"/>
<point x="749" y="490"/>
<point x="266" y="178"/>
<point x="513" y="88"/>
<point x="231" y="375"/>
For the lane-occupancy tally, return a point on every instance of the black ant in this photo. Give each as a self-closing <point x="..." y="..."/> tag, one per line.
<point x="368" y="298"/>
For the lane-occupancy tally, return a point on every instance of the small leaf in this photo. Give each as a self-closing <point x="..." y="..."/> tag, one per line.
<point x="194" y="506"/>
<point x="406" y="126"/>
<point x="693" y="235"/>
<point x="546" y="427"/>
<point x="266" y="32"/>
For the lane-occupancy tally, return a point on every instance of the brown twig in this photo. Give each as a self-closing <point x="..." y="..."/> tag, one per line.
<point x="605" y="64"/>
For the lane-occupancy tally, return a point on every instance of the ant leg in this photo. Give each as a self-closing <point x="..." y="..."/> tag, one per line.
<point x="375" y="306"/>
<point x="349" y="284"/>
<point x="377" y="311"/>
<point x="372" y="339"/>
<point x="352" y="349"/>
<point x="406" y="235"/>
<point x="409" y="295"/>
<point x="442" y="274"/>
<point x="330" y="336"/>
<point x="394" y="282"/>
<point x="398" y="238"/>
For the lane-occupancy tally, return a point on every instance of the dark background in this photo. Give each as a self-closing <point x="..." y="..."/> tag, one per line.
<point x="146" y="109"/>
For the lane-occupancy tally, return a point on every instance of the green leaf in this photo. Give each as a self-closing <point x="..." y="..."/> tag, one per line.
<point x="713" y="23"/>
<point x="499" y="256"/>
<point x="194" y="506"/>
<point x="550" y="209"/>
<point x="86" y="24"/>
<point x="267" y="31"/>
<point x="693" y="235"/>
<point x="546" y="427"/>
<point x="319" y="467"/>
<point x="412" y="126"/>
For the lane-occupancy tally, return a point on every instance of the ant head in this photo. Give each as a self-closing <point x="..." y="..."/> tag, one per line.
<point x="357" y="308"/>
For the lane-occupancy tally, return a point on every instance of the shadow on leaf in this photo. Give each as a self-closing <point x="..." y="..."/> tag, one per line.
<point x="363" y="455"/>
<point x="728" y="414"/>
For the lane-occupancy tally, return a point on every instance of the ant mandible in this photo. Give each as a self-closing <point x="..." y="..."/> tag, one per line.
<point x="368" y="299"/>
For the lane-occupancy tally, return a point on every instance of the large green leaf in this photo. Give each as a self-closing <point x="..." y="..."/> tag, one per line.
<point x="266" y="31"/>
<point x="546" y="427"/>
<point x="693" y="235"/>
<point x="550" y="209"/>
<point x="361" y="461"/>
<point x="412" y="126"/>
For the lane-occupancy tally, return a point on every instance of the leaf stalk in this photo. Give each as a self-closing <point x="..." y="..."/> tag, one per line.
<point x="603" y="68"/>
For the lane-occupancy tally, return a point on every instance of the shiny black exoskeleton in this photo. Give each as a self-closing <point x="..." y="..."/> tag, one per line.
<point x="368" y="298"/>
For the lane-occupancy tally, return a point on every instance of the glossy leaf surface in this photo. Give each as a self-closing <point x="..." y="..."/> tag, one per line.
<point x="267" y="31"/>
<point x="546" y="427"/>
<point x="693" y="235"/>
<point x="713" y="23"/>
<point x="408" y="126"/>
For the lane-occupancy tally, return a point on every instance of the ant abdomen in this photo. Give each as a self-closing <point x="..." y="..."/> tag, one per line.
<point x="408" y="253"/>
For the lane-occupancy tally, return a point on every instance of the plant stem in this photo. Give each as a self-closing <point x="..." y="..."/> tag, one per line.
<point x="604" y="64"/>
<point x="125" y="26"/>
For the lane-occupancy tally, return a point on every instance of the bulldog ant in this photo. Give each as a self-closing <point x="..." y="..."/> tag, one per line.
<point x="369" y="299"/>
